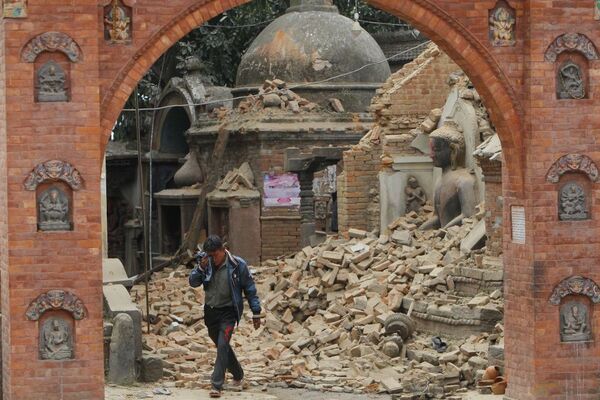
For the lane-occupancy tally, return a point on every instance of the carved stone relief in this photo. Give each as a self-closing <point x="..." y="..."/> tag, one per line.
<point x="572" y="203"/>
<point x="572" y="42"/>
<point x="502" y="25"/>
<point x="51" y="41"/>
<point x="573" y="163"/>
<point x="51" y="83"/>
<point x="117" y="22"/>
<point x="574" y="322"/>
<point x="321" y="207"/>
<point x="415" y="195"/>
<point x="570" y="82"/>
<point x="56" y="300"/>
<point x="14" y="9"/>
<point x="575" y="285"/>
<point x="56" y="340"/>
<point x="53" y="211"/>
<point x="54" y="170"/>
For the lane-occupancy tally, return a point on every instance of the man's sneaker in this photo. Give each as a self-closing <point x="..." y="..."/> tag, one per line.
<point x="238" y="386"/>
<point x="214" y="393"/>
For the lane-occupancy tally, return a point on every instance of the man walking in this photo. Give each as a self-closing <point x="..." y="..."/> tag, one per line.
<point x="224" y="277"/>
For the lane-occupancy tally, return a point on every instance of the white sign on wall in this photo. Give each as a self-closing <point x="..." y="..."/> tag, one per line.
<point x="517" y="214"/>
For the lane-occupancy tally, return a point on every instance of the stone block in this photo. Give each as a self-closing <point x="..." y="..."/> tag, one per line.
<point x="122" y="351"/>
<point x="475" y="239"/>
<point x="113" y="272"/>
<point x="493" y="275"/>
<point x="403" y="237"/>
<point x="357" y="233"/>
<point x="391" y="385"/>
<point x="334" y="256"/>
<point x="151" y="368"/>
<point x="116" y="301"/>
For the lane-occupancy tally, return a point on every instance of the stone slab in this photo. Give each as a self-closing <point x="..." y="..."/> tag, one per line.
<point x="117" y="300"/>
<point x="471" y="241"/>
<point x="113" y="272"/>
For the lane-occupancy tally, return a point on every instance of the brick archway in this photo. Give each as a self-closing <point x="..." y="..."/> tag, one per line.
<point x="517" y="84"/>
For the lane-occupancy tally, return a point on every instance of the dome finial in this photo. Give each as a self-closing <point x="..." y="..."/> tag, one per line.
<point x="311" y="5"/>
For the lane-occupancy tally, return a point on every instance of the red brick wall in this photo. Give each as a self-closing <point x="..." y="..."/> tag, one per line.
<point x="280" y="232"/>
<point x="492" y="171"/>
<point x="416" y="88"/>
<point x="41" y="261"/>
<point x="355" y="188"/>
<point x="4" y="282"/>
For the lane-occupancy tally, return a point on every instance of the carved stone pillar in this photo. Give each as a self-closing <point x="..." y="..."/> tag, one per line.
<point x="307" y="206"/>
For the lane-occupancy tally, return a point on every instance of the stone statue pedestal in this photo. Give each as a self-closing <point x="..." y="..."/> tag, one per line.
<point x="54" y="226"/>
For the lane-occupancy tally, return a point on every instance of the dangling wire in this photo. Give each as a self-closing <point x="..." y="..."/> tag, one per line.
<point x="136" y="103"/>
<point x="150" y="165"/>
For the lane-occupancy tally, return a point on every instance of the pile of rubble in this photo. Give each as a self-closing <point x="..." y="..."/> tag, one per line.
<point x="326" y="310"/>
<point x="275" y="94"/>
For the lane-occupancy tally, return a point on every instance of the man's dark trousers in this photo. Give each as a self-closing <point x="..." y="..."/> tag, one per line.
<point x="221" y="323"/>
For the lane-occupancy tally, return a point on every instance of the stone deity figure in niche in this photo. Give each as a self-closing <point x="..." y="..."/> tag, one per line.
<point x="118" y="24"/>
<point x="502" y="27"/>
<point x="570" y="83"/>
<point x="51" y="83"/>
<point x="54" y="211"/>
<point x="572" y="203"/>
<point x="415" y="195"/>
<point x="574" y="323"/>
<point x="454" y="195"/>
<point x="56" y="340"/>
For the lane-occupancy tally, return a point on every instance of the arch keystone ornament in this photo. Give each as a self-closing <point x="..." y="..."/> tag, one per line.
<point x="575" y="285"/>
<point x="572" y="42"/>
<point x="54" y="170"/>
<point x="573" y="163"/>
<point x="56" y="300"/>
<point x="51" y="41"/>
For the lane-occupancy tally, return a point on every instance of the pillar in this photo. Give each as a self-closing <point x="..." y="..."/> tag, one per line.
<point x="63" y="264"/>
<point x="307" y="206"/>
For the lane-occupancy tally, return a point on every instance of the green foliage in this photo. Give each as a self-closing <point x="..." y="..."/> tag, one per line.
<point x="148" y="93"/>
<point x="221" y="42"/>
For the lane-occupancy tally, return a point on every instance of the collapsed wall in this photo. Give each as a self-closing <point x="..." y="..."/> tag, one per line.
<point x="399" y="106"/>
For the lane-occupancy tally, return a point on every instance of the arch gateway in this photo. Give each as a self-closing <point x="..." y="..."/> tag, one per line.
<point x="514" y="51"/>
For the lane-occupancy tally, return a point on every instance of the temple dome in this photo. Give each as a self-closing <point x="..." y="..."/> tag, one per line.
<point x="312" y="42"/>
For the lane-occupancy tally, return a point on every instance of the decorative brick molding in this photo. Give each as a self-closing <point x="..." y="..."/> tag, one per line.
<point x="56" y="300"/>
<point x="573" y="163"/>
<point x="51" y="41"/>
<point x="575" y="285"/>
<point x="571" y="42"/>
<point x="54" y="170"/>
